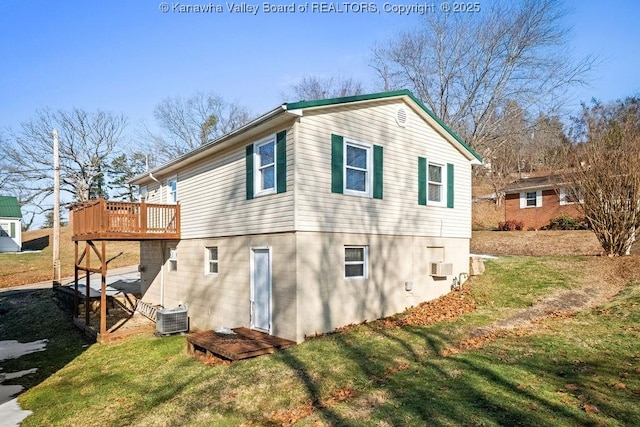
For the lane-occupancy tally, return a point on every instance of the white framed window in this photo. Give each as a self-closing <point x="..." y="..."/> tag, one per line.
<point x="265" y="165"/>
<point x="172" y="190"/>
<point x="5" y="229"/>
<point x="356" y="259"/>
<point x="211" y="266"/>
<point x="435" y="184"/>
<point x="173" y="259"/>
<point x="530" y="199"/>
<point x="358" y="171"/>
<point x="569" y="196"/>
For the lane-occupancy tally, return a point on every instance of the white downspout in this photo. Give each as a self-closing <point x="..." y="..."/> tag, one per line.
<point x="163" y="248"/>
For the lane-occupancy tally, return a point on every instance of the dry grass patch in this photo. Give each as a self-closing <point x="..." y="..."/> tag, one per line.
<point x="535" y="243"/>
<point x="32" y="267"/>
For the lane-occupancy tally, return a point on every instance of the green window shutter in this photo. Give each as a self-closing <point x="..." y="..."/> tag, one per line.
<point x="281" y="162"/>
<point x="13" y="230"/>
<point x="449" y="185"/>
<point x="422" y="181"/>
<point x="337" y="164"/>
<point x="377" y="172"/>
<point x="249" y="171"/>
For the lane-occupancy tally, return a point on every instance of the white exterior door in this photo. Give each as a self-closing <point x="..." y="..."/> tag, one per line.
<point x="261" y="289"/>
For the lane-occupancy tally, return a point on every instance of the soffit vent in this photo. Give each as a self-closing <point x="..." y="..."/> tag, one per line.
<point x="402" y="117"/>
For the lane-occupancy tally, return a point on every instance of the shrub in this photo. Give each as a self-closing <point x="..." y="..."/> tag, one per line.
<point x="566" y="222"/>
<point x="510" y="225"/>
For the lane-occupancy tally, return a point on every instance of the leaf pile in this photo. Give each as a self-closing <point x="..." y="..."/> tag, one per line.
<point x="446" y="308"/>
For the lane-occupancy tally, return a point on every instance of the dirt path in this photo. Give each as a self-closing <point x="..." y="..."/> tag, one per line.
<point x="600" y="282"/>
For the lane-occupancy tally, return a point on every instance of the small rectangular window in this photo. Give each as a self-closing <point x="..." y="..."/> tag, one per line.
<point x="531" y="199"/>
<point x="355" y="262"/>
<point x="212" y="260"/>
<point x="173" y="259"/>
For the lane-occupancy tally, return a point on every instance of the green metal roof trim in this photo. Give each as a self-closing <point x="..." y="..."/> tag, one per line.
<point x="9" y="207"/>
<point x="381" y="95"/>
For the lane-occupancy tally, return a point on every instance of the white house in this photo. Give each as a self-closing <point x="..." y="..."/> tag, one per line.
<point x="313" y="216"/>
<point x="10" y="225"/>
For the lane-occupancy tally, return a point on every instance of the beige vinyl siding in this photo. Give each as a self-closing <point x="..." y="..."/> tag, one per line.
<point x="212" y="196"/>
<point x="155" y="192"/>
<point x="398" y="212"/>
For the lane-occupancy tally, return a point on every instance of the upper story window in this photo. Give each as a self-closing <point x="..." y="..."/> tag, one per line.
<point x="265" y="166"/>
<point x="357" y="163"/>
<point x="172" y="190"/>
<point x="435" y="183"/>
<point x="356" y="167"/>
<point x="435" y="191"/>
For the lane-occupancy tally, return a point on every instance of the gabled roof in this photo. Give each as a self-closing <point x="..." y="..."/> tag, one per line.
<point x="431" y="117"/>
<point x="546" y="182"/>
<point x="287" y="111"/>
<point x="9" y="207"/>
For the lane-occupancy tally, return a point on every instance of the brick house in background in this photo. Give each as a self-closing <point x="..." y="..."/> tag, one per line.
<point x="537" y="200"/>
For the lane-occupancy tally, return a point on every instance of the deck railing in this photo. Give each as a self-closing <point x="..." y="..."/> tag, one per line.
<point x="108" y="220"/>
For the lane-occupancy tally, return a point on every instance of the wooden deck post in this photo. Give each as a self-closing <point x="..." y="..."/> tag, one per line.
<point x="76" y="300"/>
<point x="87" y="298"/>
<point x="103" y="292"/>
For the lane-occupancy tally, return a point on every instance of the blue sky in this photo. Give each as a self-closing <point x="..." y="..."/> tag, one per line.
<point x="126" y="56"/>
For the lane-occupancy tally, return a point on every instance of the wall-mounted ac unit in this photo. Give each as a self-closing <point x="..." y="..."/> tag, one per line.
<point x="441" y="269"/>
<point x="172" y="320"/>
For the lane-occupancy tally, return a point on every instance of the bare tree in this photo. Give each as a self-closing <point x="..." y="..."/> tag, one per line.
<point x="313" y="87"/>
<point x="606" y="177"/>
<point x="86" y="142"/>
<point x="188" y="123"/>
<point x="466" y="67"/>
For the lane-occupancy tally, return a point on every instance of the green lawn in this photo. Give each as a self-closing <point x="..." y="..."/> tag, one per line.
<point x="577" y="370"/>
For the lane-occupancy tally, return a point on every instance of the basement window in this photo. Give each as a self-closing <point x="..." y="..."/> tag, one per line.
<point x="355" y="262"/>
<point x="212" y="260"/>
<point x="173" y="259"/>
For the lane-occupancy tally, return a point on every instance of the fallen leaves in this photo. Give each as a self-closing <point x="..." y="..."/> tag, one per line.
<point x="292" y="416"/>
<point x="589" y="409"/>
<point x="446" y="308"/>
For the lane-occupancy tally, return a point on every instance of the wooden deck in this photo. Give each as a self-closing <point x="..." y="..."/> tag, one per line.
<point x="101" y="219"/>
<point x="245" y="343"/>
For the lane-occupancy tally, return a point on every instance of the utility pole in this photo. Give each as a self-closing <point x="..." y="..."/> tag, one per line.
<point x="56" y="210"/>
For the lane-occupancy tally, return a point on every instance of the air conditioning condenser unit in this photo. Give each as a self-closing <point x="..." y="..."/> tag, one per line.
<point x="172" y="320"/>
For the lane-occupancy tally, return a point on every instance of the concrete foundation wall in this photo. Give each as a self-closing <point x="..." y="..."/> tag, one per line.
<point x="222" y="299"/>
<point x="327" y="300"/>
<point x="310" y="294"/>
